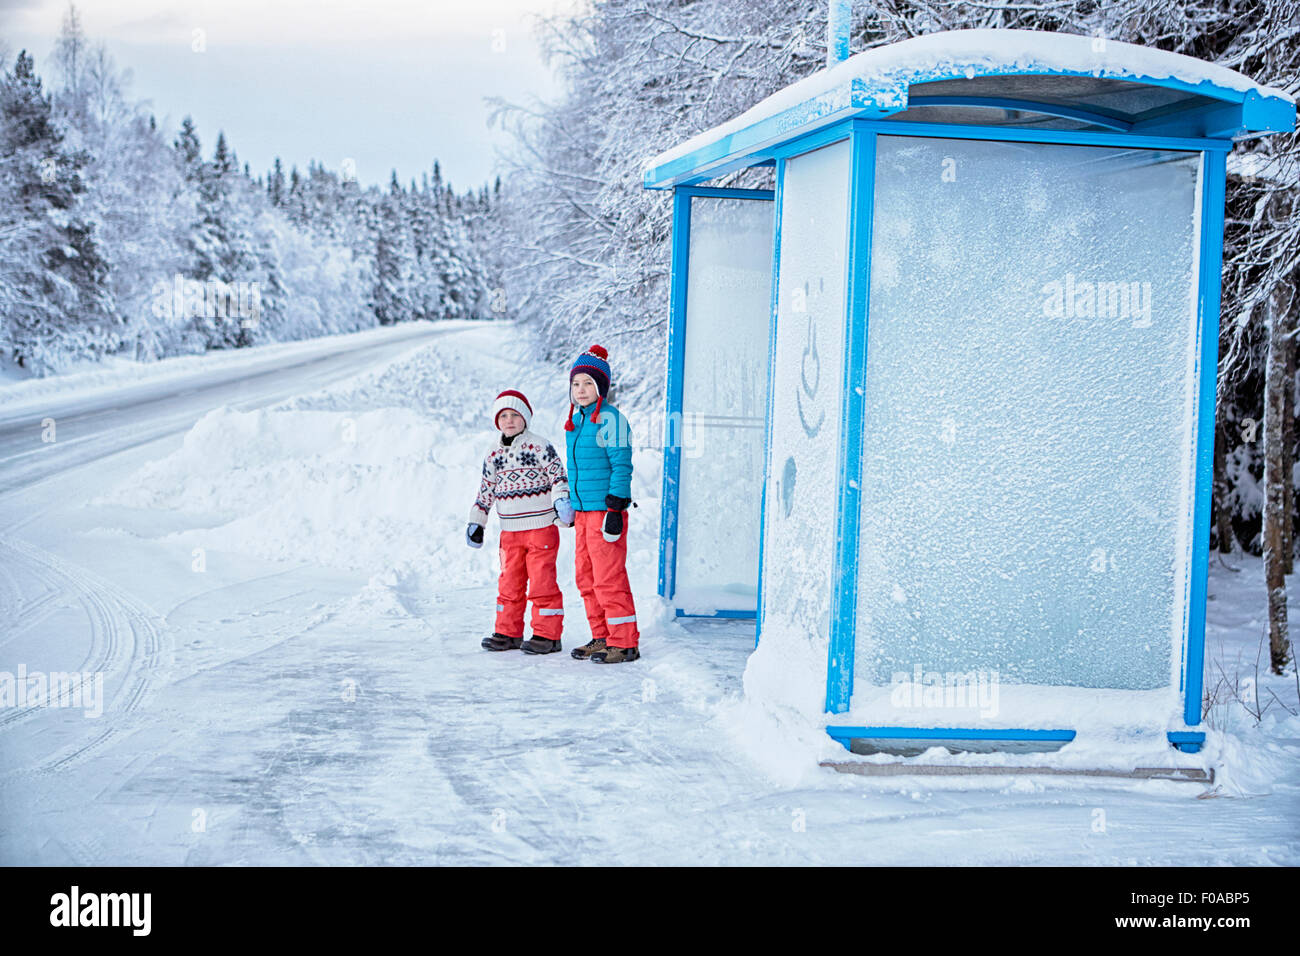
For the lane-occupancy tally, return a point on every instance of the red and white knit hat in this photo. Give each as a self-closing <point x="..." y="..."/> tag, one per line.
<point x="515" y="400"/>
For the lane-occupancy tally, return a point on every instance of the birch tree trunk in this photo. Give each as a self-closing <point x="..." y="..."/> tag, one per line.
<point x="1288" y="443"/>
<point x="1222" y="513"/>
<point x="1276" y="476"/>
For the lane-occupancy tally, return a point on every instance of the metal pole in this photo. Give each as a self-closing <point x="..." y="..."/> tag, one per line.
<point x="838" y="20"/>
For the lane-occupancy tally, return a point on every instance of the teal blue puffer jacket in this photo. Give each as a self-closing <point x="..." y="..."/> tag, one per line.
<point x="600" y="457"/>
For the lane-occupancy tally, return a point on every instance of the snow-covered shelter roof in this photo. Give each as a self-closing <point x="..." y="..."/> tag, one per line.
<point x="1021" y="79"/>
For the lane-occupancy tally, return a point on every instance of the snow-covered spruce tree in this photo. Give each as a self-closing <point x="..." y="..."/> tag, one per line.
<point x="275" y="185"/>
<point x="461" y="269"/>
<point x="487" y="236"/>
<point x="233" y="258"/>
<point x="135" y="194"/>
<point x="390" y="296"/>
<point x="426" y="293"/>
<point x="233" y="244"/>
<point x="271" y="317"/>
<point x="55" y="301"/>
<point x="195" y="333"/>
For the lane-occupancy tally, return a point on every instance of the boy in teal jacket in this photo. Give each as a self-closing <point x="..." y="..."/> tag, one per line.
<point x="599" y="445"/>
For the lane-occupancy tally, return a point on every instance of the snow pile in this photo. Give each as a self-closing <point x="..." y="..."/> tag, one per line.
<point x="377" y="474"/>
<point x="378" y="491"/>
<point x="780" y="722"/>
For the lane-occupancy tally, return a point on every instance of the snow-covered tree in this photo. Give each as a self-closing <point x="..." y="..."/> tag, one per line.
<point x="55" y="302"/>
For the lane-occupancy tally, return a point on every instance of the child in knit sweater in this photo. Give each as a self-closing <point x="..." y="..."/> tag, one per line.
<point x="524" y="476"/>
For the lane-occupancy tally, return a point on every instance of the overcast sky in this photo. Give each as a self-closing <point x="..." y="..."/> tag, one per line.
<point x="385" y="83"/>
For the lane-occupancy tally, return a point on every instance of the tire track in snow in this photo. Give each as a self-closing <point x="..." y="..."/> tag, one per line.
<point x="135" y="694"/>
<point x="105" y="651"/>
<point x="23" y="613"/>
<point x="125" y="636"/>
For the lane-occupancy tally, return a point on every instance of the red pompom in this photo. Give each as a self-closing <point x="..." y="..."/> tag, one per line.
<point x="599" y="352"/>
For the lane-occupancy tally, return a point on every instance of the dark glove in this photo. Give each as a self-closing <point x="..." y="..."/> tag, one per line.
<point x="612" y="529"/>
<point x="474" y="535"/>
<point x="613" y="503"/>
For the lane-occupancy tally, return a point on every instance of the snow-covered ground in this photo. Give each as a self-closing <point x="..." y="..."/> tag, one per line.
<point x="288" y="621"/>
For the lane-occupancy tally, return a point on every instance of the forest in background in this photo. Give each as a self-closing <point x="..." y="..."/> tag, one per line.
<point x="118" y="239"/>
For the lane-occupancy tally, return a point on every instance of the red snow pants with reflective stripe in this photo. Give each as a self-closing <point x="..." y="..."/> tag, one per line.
<point x="601" y="573"/>
<point x="528" y="574"/>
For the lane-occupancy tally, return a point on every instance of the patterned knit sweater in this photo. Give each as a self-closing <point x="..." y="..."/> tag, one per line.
<point x="524" y="478"/>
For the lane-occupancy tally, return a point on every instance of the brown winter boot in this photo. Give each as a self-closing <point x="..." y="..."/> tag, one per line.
<point x="540" y="645"/>
<point x="586" y="650"/>
<point x="616" y="655"/>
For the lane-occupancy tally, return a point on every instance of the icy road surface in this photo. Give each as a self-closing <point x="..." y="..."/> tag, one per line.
<point x="290" y="679"/>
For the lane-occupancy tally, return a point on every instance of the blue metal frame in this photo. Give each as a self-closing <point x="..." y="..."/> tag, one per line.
<point x="678" y="281"/>
<point x="1221" y="120"/>
<point x="801" y="144"/>
<point x="831" y="127"/>
<point x="839" y="678"/>
<point x="724" y="192"/>
<point x="857" y="110"/>
<point x="844" y="597"/>
<point x="680" y="257"/>
<point x="815" y="139"/>
<point x="843" y="734"/>
<point x="1234" y="111"/>
<point x="757" y="142"/>
<point x="741" y="615"/>
<point x="1094" y="116"/>
<point x="1189" y="741"/>
<point x="1067" y="137"/>
<point x="777" y="211"/>
<point x="1213" y="187"/>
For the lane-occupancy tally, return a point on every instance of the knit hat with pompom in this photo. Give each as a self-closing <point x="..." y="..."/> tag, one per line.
<point x="513" y="400"/>
<point x="593" y="362"/>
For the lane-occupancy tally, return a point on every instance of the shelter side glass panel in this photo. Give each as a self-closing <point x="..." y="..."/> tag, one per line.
<point x="724" y="397"/>
<point x="807" y="400"/>
<point x="1030" y="399"/>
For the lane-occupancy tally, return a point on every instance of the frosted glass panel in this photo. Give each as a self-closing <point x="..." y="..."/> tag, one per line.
<point x="806" y="395"/>
<point x="1025" y="495"/>
<point x="724" y="397"/>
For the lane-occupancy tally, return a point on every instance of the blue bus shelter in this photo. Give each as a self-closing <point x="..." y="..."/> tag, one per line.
<point x="941" y="403"/>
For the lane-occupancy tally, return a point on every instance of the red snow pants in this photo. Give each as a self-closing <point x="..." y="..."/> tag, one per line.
<point x="601" y="573"/>
<point x="528" y="574"/>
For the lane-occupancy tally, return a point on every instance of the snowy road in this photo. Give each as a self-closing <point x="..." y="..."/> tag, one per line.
<point x="87" y="427"/>
<point x="288" y="623"/>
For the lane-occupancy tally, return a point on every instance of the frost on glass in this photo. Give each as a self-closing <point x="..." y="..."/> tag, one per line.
<point x="806" y="395"/>
<point x="1028" y="412"/>
<point x="724" y="397"/>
